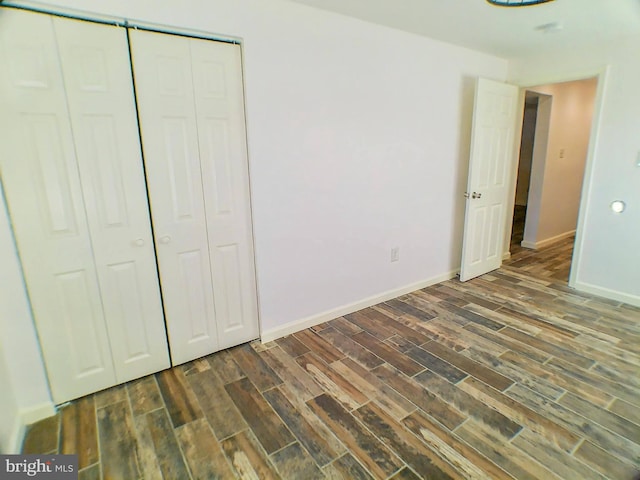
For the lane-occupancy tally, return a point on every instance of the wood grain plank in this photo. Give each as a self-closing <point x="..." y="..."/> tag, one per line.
<point x="317" y="446"/>
<point x="552" y="432"/>
<point x="110" y="396"/>
<point x="292" y="346"/>
<point x="561" y="415"/>
<point x="260" y="374"/>
<point x="247" y="457"/>
<point x="626" y="410"/>
<point x="166" y="446"/>
<point x="294" y="463"/>
<point x="610" y="420"/>
<point x="79" y="431"/>
<point x="369" y="323"/>
<point x="407" y="446"/>
<point x="450" y="448"/>
<point x="468" y="405"/>
<point x="421" y="314"/>
<point x="331" y="381"/>
<point x="195" y="366"/>
<point x="146" y="450"/>
<point x="144" y="395"/>
<point x="90" y="473"/>
<point x="351" y="348"/>
<point x="387" y="353"/>
<point x="179" y="399"/>
<point x="549" y="348"/>
<point x="346" y="468"/>
<point x="292" y="373"/>
<point x="368" y="383"/>
<point x="566" y="466"/>
<point x="516" y="347"/>
<point x="504" y="454"/>
<point x="203" y="453"/>
<point x="606" y="463"/>
<point x="216" y="404"/>
<point x="407" y="474"/>
<point x="517" y="374"/>
<point x="42" y="437"/>
<point x="323" y="349"/>
<point x="265" y="424"/>
<point x="225" y="366"/>
<point x="344" y="326"/>
<point x="449" y="416"/>
<point x="437" y="365"/>
<point x="117" y="442"/>
<point x="374" y="455"/>
<point x="472" y="367"/>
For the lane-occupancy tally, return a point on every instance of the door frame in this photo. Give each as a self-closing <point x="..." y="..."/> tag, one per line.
<point x="602" y="75"/>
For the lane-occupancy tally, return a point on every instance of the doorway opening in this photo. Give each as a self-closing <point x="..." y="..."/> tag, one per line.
<point x="556" y="130"/>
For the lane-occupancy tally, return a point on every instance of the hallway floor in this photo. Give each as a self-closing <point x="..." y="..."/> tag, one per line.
<point x="510" y="375"/>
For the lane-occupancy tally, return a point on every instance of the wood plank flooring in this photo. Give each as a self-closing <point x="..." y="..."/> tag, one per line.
<point x="510" y="375"/>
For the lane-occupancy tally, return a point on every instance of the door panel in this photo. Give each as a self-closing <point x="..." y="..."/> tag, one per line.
<point x="164" y="86"/>
<point x="97" y="77"/>
<point x="44" y="196"/>
<point x="492" y="150"/>
<point x="217" y="79"/>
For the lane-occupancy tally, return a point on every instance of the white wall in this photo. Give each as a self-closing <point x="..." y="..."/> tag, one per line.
<point x="562" y="170"/>
<point x="607" y="258"/>
<point x="24" y="394"/>
<point x="10" y="429"/>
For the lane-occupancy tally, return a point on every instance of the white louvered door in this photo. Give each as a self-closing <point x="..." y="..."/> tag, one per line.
<point x="97" y="75"/>
<point x="44" y="196"/>
<point x="191" y="116"/>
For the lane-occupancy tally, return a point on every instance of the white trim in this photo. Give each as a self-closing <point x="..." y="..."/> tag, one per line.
<point x="608" y="293"/>
<point x="506" y="256"/>
<point x="588" y="178"/>
<point x="298" y="325"/>
<point x="16" y="438"/>
<point x="547" y="241"/>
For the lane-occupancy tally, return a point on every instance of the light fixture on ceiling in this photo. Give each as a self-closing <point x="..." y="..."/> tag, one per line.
<point x="517" y="3"/>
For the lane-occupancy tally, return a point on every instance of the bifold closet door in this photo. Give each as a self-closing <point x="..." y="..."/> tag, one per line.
<point x="190" y="103"/>
<point x="98" y="83"/>
<point x="65" y="159"/>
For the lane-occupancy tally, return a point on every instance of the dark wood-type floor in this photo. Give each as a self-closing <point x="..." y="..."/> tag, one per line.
<point x="510" y="375"/>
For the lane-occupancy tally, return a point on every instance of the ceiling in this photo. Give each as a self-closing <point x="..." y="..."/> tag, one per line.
<point x="503" y="31"/>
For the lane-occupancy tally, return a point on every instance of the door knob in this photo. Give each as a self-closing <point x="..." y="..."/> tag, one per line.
<point x="139" y="242"/>
<point x="165" y="239"/>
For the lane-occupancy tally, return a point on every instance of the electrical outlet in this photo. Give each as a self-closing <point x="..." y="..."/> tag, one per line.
<point x="395" y="254"/>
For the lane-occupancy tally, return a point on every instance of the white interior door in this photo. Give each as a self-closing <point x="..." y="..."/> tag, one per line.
<point x="164" y="87"/>
<point x="98" y="83"/>
<point x="217" y="80"/>
<point x="44" y="196"/>
<point x="488" y="188"/>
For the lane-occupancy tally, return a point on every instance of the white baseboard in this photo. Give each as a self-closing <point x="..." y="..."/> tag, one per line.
<point x="298" y="325"/>
<point x="547" y="241"/>
<point x="506" y="255"/>
<point x="608" y="293"/>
